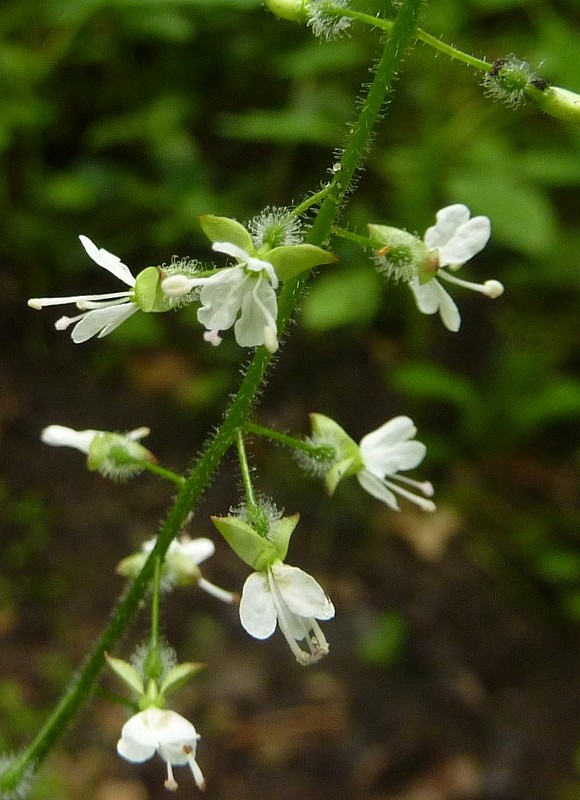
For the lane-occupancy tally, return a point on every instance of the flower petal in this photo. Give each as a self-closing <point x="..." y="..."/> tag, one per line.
<point x="195" y="549"/>
<point x="221" y="298"/>
<point x="432" y="297"/>
<point x="257" y="610"/>
<point x="102" y="321"/>
<point x="259" y="309"/>
<point x="301" y="593"/>
<point x="449" y="219"/>
<point x="59" y="436"/>
<point x="469" y="239"/>
<point x="108" y="261"/>
<point x="375" y="487"/>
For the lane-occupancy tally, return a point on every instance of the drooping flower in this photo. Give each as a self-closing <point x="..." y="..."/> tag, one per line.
<point x="289" y="597"/>
<point x="180" y="566"/>
<point x="114" y="455"/>
<point x="376" y="461"/>
<point x="100" y="313"/>
<point x="244" y="296"/>
<point x="165" y="732"/>
<point x="276" y="593"/>
<point x="453" y="240"/>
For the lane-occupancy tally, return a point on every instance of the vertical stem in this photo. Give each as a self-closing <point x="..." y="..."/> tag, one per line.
<point x="83" y="683"/>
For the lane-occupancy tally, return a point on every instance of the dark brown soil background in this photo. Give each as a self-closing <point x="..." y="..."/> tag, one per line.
<point x="478" y="700"/>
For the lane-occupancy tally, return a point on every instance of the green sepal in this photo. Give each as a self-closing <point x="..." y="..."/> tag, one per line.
<point x="148" y="293"/>
<point x="411" y="250"/>
<point x="291" y="260"/>
<point x="179" y="675"/>
<point x="252" y="548"/>
<point x="131" y="566"/>
<point x="127" y="673"/>
<point x="109" y="450"/>
<point x="224" y="229"/>
<point x="348" y="460"/>
<point x="280" y="533"/>
<point x="340" y="470"/>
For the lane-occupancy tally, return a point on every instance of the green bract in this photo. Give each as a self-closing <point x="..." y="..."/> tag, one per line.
<point x="110" y="451"/>
<point x="348" y="459"/>
<point x="257" y="551"/>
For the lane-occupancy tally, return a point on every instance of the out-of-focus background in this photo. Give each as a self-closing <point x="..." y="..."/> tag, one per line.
<point x="454" y="663"/>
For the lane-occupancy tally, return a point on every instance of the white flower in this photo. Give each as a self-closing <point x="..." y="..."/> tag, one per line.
<point x="452" y="241"/>
<point x="386" y="452"/>
<point x="290" y="597"/>
<point x="181" y="565"/>
<point x="101" y="313"/>
<point x="243" y="296"/>
<point x="165" y="732"/>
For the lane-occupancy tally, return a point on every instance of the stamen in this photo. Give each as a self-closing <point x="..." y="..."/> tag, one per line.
<point x="170" y="783"/>
<point x="64" y="322"/>
<point x="489" y="288"/>
<point x="216" y="591"/>
<point x="212" y="337"/>
<point x="426" y="505"/>
<point x="40" y="302"/>
<point x="424" y="486"/>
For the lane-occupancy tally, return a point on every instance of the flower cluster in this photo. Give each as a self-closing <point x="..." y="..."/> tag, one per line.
<point x="242" y="296"/>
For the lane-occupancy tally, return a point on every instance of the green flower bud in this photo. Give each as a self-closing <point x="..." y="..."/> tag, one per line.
<point x="292" y="10"/>
<point x="557" y="102"/>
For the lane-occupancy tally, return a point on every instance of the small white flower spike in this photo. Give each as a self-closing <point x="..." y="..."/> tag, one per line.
<point x="453" y="240"/>
<point x="289" y="597"/>
<point x="101" y="313"/>
<point x="167" y="733"/>
<point x="388" y="451"/>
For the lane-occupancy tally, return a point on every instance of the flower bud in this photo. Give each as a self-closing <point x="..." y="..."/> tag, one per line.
<point x="558" y="102"/>
<point x="292" y="10"/>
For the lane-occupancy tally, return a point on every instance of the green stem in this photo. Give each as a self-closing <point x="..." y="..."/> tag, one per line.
<point x="420" y="35"/>
<point x="190" y="491"/>
<point x="313" y="200"/>
<point x="156" y="469"/>
<point x="363" y="241"/>
<point x="401" y="34"/>
<point x="154" y="638"/>
<point x="289" y="441"/>
<point x="256" y="516"/>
